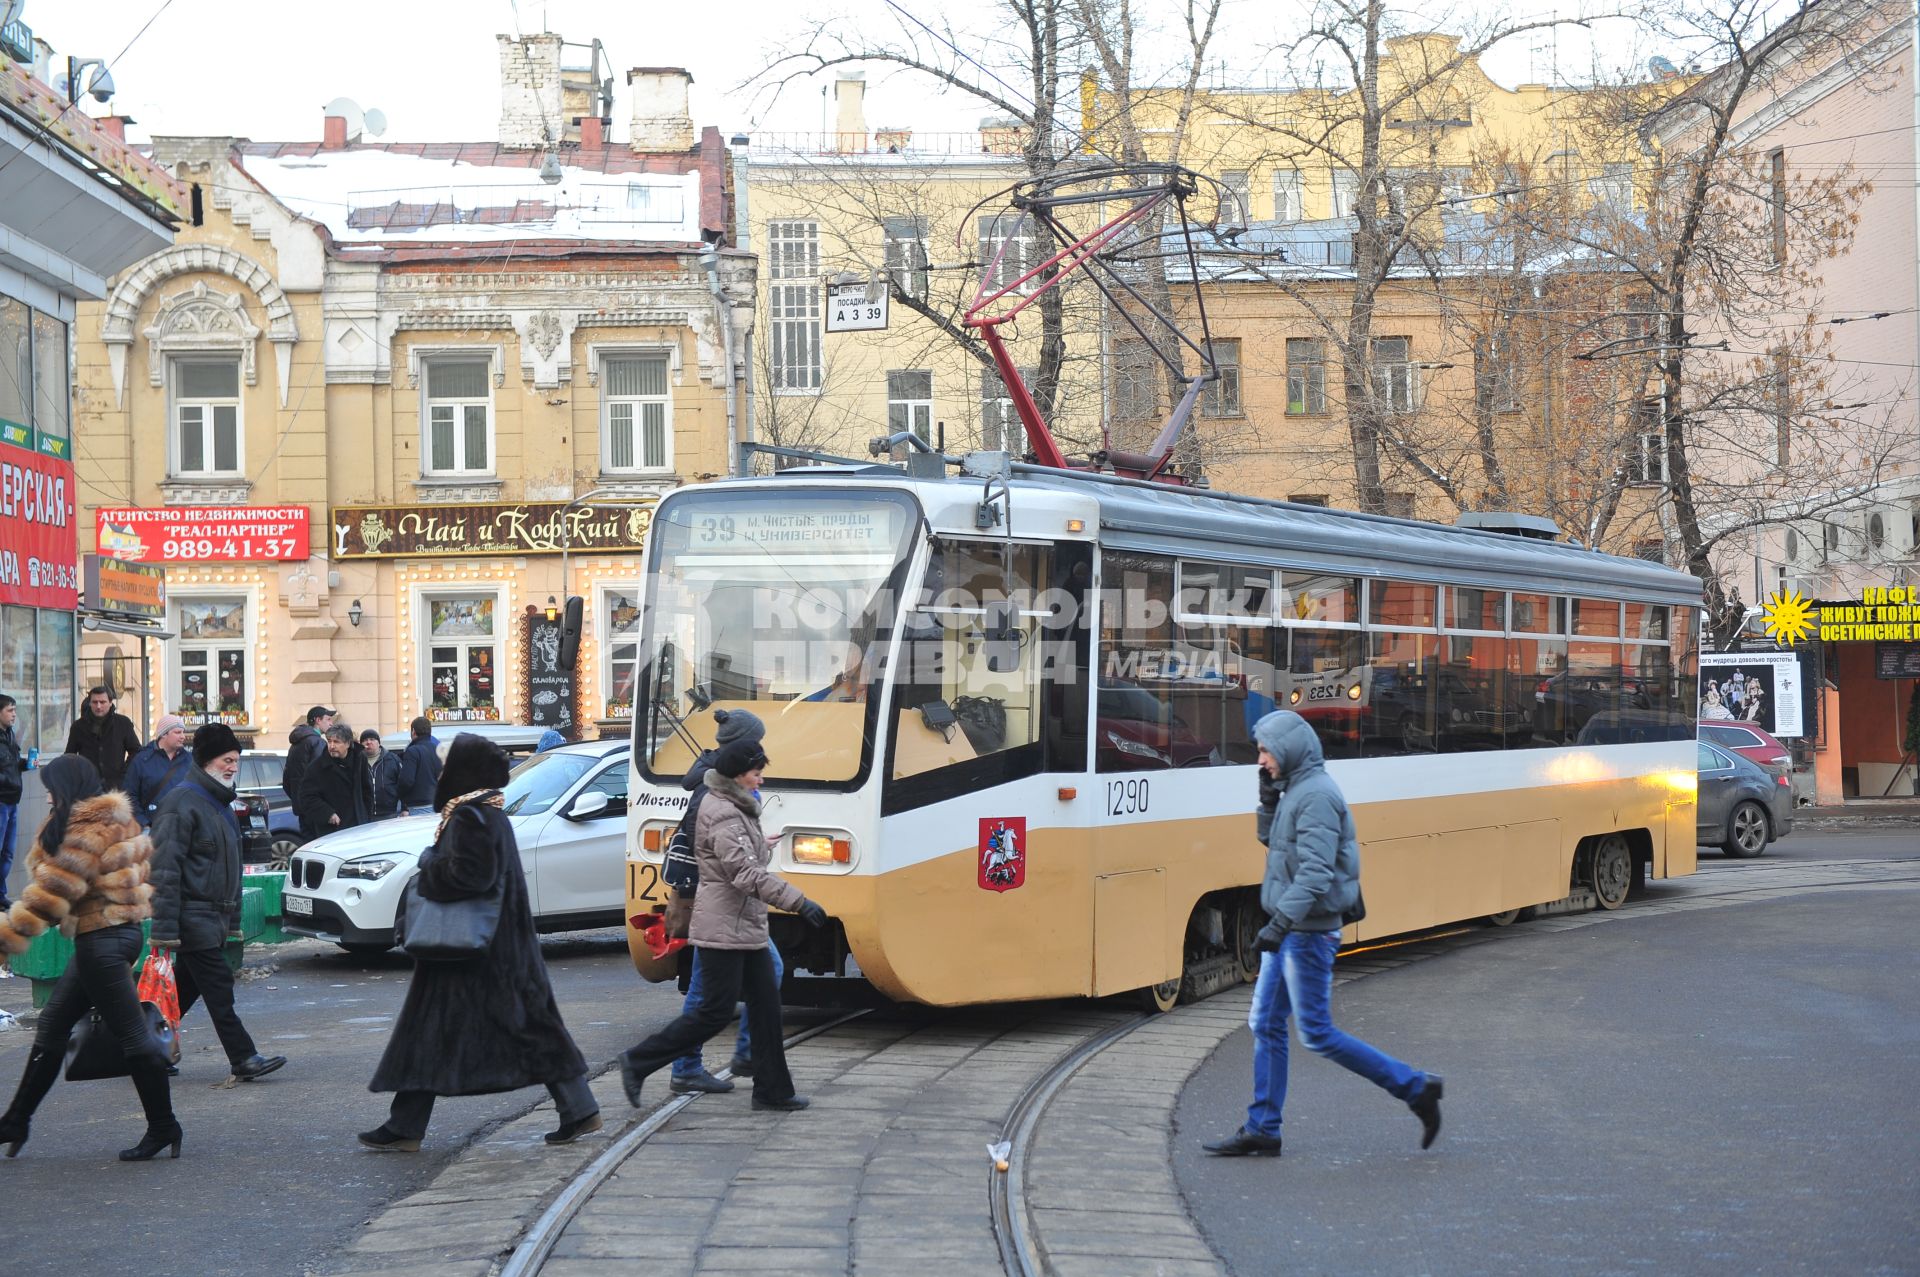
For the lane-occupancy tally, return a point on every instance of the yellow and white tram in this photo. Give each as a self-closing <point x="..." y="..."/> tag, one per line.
<point x="1009" y="721"/>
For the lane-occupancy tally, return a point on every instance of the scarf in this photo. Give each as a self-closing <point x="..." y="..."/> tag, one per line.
<point x="485" y="797"/>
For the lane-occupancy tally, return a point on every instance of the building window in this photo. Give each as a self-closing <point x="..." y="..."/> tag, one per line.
<point x="1399" y="504"/>
<point x="1613" y="187"/>
<point x="1308" y="498"/>
<point x="1136" y="393"/>
<point x="459" y="417"/>
<point x="636" y="414"/>
<point x="620" y="610"/>
<point x="1236" y="206"/>
<point x="1777" y="202"/>
<point x="910" y="402"/>
<point x="1223" y="394"/>
<point x="210" y="660"/>
<point x="1286" y="195"/>
<point x="206" y="417"/>
<point x="1000" y="426"/>
<point x="1497" y="374"/>
<point x="1782" y="389"/>
<point x="906" y="249"/>
<point x="793" y="306"/>
<point x="463" y="656"/>
<point x="16" y="366"/>
<point x="1647" y="452"/>
<point x="1009" y="248"/>
<point x="50" y="378"/>
<point x="1306" y="376"/>
<point x="1345" y="184"/>
<point x="36" y="669"/>
<point x="1651" y="549"/>
<point x="1393" y="373"/>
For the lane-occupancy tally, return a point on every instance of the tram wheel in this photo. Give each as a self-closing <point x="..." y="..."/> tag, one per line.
<point x="1505" y="918"/>
<point x="1611" y="871"/>
<point x="1248" y="918"/>
<point x="1158" y="999"/>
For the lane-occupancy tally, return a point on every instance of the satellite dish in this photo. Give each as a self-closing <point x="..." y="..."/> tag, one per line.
<point x="370" y="121"/>
<point x="1661" y="68"/>
<point x="376" y="121"/>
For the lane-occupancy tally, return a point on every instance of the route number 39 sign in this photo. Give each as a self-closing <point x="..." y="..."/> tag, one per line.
<point x="857" y="308"/>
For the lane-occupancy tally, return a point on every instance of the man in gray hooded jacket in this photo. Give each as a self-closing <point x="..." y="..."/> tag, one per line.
<point x="1312" y="883"/>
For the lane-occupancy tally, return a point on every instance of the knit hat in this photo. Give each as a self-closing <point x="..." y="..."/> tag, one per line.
<point x="213" y="740"/>
<point x="166" y="723"/>
<point x="737" y="724"/>
<point x="740" y="757"/>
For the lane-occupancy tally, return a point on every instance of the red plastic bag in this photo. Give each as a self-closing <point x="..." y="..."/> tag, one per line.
<point x="659" y="943"/>
<point x="158" y="987"/>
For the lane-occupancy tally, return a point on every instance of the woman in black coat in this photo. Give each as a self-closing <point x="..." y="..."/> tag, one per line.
<point x="489" y="1024"/>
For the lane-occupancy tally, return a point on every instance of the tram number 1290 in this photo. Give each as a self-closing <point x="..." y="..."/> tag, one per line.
<point x="1126" y="797"/>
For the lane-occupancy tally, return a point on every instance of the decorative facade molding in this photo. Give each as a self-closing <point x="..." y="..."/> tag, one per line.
<point x="196" y="321"/>
<point x="127" y="298"/>
<point x="205" y="491"/>
<point x="546" y="347"/>
<point x="495" y="352"/>
<point x="598" y="352"/>
<point x="460" y="491"/>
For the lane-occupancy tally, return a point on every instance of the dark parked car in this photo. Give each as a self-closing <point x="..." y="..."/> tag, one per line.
<point x="1564" y="702"/>
<point x="1741" y="807"/>
<point x="260" y="778"/>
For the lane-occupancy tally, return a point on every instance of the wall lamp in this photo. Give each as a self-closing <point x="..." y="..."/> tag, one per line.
<point x="553" y="609"/>
<point x="354" y="614"/>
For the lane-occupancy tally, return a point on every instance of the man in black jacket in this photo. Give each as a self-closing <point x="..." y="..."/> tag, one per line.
<point x="104" y="737"/>
<point x="337" y="791"/>
<point x="304" y="744"/>
<point x="196" y="891"/>
<point x="384" y="766"/>
<point x="419" y="770"/>
<point x="10" y="790"/>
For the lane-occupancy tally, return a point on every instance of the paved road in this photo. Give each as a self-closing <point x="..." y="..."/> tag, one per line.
<point x="270" y="1177"/>
<point x="1722" y="1091"/>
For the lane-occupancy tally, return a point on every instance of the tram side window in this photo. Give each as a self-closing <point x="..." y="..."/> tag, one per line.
<point x="1401" y="694"/>
<point x="1257" y="669"/>
<point x="1135" y="727"/>
<point x="1685" y="647"/>
<point x="1537" y="664"/>
<point x="1222" y="608"/>
<point x="1325" y="682"/>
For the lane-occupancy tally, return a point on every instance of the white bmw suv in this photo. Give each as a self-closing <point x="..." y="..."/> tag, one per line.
<point x="569" y="813"/>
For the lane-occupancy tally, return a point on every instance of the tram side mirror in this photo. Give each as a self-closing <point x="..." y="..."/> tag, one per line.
<point x="699" y="696"/>
<point x="570" y="625"/>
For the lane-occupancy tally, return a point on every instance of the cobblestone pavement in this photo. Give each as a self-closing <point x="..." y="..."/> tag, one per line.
<point x="888" y="1172"/>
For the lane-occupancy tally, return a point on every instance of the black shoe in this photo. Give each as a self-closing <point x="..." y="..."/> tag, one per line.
<point x="792" y="1104"/>
<point x="384" y="1139"/>
<point x="571" y="1131"/>
<point x="701" y="1083"/>
<point x="1245" y="1143"/>
<point x="1426" y="1107"/>
<point x="258" y="1066"/>
<point x="152" y="1142"/>
<point x="13" y="1133"/>
<point x="630" y="1080"/>
<point x="740" y="1066"/>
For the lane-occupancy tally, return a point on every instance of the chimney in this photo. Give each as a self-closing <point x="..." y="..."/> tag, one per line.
<point x="531" y="114"/>
<point x="1002" y="136"/>
<point x="892" y="140"/>
<point x="850" y="112"/>
<point x="334" y="135"/>
<point x="593" y="132"/>
<point x="115" y="126"/>
<point x="661" y="119"/>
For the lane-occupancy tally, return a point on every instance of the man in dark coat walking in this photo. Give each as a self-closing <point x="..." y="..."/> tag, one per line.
<point x="10" y="790"/>
<point x="337" y="791"/>
<point x="305" y="743"/>
<point x="158" y="767"/>
<point x="419" y="770"/>
<point x="196" y="891"/>
<point x="384" y="767"/>
<point x="104" y="737"/>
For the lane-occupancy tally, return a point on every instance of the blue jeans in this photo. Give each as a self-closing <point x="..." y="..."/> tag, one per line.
<point x="9" y="821"/>
<point x="691" y="1064"/>
<point x="1299" y="979"/>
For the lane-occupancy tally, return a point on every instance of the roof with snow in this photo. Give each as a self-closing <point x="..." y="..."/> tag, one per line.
<point x="1468" y="243"/>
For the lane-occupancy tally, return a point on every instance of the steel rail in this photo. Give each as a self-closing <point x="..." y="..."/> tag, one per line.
<point x="536" y="1245"/>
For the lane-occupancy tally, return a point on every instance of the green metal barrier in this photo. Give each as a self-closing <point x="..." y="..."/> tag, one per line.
<point x="47" y="956"/>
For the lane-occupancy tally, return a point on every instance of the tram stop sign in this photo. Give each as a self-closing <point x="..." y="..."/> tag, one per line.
<point x="857" y="307"/>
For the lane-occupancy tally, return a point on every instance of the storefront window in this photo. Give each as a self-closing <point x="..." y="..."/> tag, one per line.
<point x="16" y="367"/>
<point x="622" y="617"/>
<point x="463" y="654"/>
<point x="18" y="651"/>
<point x="56" y="679"/>
<point x="50" y="380"/>
<point x="210" y="680"/>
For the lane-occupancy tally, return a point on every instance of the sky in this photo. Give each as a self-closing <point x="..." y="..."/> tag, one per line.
<point x="264" y="70"/>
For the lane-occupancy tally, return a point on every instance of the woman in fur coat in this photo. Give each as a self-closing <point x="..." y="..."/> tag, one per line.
<point x="88" y="871"/>
<point x="489" y="1024"/>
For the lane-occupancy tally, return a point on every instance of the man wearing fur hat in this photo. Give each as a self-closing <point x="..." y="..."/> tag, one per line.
<point x="196" y="890"/>
<point x="161" y="764"/>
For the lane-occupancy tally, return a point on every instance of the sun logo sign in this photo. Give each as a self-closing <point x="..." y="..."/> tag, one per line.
<point x="1789" y="618"/>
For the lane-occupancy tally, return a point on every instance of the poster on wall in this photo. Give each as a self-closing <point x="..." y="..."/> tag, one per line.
<point x="550" y="685"/>
<point x="213" y="619"/>
<point x="1762" y="688"/>
<point x="204" y="534"/>
<point x="39" y="559"/>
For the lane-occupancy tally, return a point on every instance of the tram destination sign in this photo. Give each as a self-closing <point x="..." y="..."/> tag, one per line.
<point x="440" y="531"/>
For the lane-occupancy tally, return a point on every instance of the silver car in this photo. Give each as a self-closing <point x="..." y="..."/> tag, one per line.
<point x="1741" y="806"/>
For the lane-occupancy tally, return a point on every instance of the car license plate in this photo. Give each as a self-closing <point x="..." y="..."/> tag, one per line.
<point x="297" y="904"/>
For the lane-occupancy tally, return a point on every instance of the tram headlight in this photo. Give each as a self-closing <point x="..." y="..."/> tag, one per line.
<point x="821" y="849"/>
<point x="1293" y="697"/>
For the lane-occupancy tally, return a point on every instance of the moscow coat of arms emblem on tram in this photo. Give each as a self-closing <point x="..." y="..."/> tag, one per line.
<point x="1003" y="852"/>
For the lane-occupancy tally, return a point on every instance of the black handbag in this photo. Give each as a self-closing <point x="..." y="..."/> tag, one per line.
<point x="94" y="1052"/>
<point x="449" y="930"/>
<point x="1356" y="911"/>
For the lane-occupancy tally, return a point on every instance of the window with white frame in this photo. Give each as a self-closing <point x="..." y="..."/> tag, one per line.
<point x="620" y="613"/>
<point x="636" y="413"/>
<point x="1236" y="205"/>
<point x="1646" y="460"/>
<point x="793" y="306"/>
<point x="906" y="251"/>
<point x="1497" y="373"/>
<point x="1009" y="248"/>
<point x="210" y="660"/>
<point x="463" y="654"/>
<point x="1345" y="185"/>
<point x="1222" y="395"/>
<point x="1000" y="426"/>
<point x="458" y="416"/>
<point x="1393" y="373"/>
<point x="1286" y="195"/>
<point x="1306" y="376"/>
<point x="910" y="402"/>
<point x="1136" y="389"/>
<point x="206" y="417"/>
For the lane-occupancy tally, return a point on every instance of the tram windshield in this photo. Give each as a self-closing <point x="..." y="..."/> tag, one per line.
<point x="774" y="601"/>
